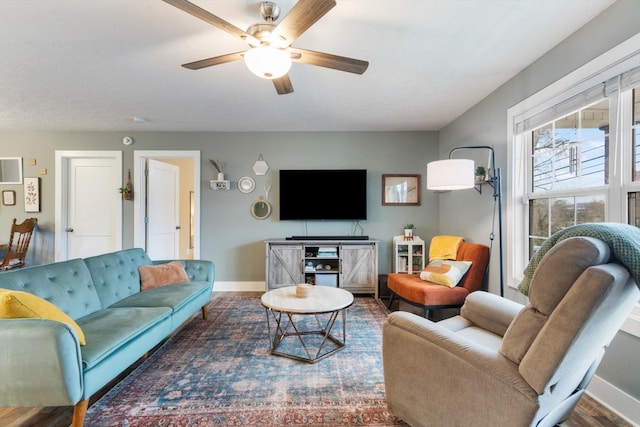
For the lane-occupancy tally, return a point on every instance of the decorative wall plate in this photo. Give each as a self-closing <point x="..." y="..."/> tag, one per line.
<point x="246" y="184"/>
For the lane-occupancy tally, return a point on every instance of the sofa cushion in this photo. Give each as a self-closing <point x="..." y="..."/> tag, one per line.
<point x="66" y="284"/>
<point x="173" y="296"/>
<point x="115" y="274"/>
<point x="23" y="305"/>
<point x="109" y="330"/>
<point x="153" y="276"/>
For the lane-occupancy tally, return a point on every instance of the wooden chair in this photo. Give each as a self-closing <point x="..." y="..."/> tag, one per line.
<point x="18" y="245"/>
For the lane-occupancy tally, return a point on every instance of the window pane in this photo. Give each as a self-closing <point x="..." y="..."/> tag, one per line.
<point x="594" y="163"/>
<point x="566" y="168"/>
<point x="542" y="172"/>
<point x="590" y="209"/>
<point x="567" y="130"/>
<point x="562" y="213"/>
<point x="634" y="209"/>
<point x="539" y="217"/>
<point x="572" y="151"/>
<point x="594" y="147"/>
<point x="543" y="137"/>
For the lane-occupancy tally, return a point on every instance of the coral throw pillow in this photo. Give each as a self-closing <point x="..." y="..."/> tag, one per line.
<point x="152" y="276"/>
<point x="447" y="273"/>
<point x="23" y="305"/>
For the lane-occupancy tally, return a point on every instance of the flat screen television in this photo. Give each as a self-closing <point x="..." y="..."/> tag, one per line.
<point x="329" y="194"/>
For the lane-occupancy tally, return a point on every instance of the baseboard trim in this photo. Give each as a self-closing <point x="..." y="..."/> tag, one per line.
<point x="238" y="286"/>
<point x="616" y="400"/>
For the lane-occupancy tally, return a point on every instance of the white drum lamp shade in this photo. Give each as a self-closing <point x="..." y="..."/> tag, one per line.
<point x="450" y="174"/>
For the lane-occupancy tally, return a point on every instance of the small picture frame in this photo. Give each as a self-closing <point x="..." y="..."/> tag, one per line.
<point x="401" y="190"/>
<point x="31" y="194"/>
<point x="8" y="197"/>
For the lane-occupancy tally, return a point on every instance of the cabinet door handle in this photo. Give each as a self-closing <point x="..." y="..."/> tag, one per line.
<point x="69" y="230"/>
<point x="177" y="227"/>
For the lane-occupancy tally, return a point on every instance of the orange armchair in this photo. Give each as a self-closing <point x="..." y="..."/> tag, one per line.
<point x="412" y="289"/>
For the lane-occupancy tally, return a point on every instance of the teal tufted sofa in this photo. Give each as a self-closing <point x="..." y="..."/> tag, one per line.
<point x="42" y="362"/>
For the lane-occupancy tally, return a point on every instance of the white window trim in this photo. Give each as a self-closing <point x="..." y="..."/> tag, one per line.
<point x="608" y="65"/>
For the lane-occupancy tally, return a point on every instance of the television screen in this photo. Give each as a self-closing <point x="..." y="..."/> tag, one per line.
<point x="338" y="194"/>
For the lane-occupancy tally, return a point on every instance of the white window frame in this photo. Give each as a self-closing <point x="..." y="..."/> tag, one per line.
<point x="614" y="62"/>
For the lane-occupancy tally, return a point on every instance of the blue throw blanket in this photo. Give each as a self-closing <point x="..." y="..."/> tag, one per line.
<point x="623" y="239"/>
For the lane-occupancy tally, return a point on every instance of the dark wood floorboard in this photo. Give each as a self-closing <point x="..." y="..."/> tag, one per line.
<point x="588" y="413"/>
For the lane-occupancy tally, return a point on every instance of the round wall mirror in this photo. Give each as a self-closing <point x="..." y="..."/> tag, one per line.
<point x="260" y="209"/>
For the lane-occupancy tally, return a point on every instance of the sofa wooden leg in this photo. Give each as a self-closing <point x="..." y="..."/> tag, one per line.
<point x="391" y="300"/>
<point x="79" y="413"/>
<point x="204" y="312"/>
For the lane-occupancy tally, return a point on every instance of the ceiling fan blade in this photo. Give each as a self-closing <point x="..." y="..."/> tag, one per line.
<point x="328" y="60"/>
<point x="210" y="18"/>
<point x="283" y="85"/>
<point x="304" y="14"/>
<point x="216" y="60"/>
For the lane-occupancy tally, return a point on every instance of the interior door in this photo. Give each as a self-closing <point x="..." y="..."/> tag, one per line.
<point x="92" y="219"/>
<point x="162" y="216"/>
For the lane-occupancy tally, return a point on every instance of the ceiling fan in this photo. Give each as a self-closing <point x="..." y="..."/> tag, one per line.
<point x="270" y="53"/>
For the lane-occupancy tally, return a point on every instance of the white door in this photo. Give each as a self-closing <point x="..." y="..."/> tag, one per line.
<point x="163" y="218"/>
<point x="88" y="214"/>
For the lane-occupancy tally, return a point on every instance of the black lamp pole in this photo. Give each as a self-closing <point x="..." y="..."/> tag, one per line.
<point x="496" y="182"/>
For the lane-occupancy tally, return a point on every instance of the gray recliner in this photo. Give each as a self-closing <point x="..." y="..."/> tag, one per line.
<point x="502" y="364"/>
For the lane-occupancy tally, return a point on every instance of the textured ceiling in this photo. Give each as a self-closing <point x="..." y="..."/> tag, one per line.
<point x="95" y="65"/>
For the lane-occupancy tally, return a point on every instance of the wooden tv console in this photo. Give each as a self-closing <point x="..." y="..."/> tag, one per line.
<point x="348" y="264"/>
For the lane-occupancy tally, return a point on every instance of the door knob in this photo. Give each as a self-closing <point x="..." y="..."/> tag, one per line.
<point x="69" y="230"/>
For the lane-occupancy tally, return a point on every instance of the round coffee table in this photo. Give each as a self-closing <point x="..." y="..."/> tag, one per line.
<point x="282" y="305"/>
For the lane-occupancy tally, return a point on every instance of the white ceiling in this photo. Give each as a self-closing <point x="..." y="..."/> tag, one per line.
<point x="95" y="65"/>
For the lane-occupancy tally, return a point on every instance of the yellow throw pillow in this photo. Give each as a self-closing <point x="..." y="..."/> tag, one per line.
<point x="23" y="305"/>
<point x="152" y="276"/>
<point x="447" y="273"/>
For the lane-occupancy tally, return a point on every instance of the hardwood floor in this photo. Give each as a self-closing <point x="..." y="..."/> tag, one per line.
<point x="588" y="413"/>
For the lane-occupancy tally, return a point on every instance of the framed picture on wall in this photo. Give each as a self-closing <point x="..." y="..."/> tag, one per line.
<point x="8" y="197"/>
<point x="32" y="194"/>
<point x="400" y="190"/>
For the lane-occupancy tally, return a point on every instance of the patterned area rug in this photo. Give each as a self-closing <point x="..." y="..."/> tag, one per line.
<point x="219" y="372"/>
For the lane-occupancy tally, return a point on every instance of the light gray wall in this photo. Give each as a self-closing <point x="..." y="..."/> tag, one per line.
<point x="486" y="124"/>
<point x="230" y="236"/>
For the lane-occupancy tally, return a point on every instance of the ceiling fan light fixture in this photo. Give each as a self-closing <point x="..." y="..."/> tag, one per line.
<point x="268" y="62"/>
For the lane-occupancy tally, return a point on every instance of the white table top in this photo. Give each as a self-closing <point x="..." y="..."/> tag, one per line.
<point x="322" y="299"/>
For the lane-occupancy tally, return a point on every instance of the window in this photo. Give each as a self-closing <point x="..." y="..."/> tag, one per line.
<point x="568" y="172"/>
<point x="574" y="155"/>
<point x="574" y="169"/>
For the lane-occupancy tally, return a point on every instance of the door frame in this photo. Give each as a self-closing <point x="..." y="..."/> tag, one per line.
<point x="62" y="198"/>
<point x="139" y="162"/>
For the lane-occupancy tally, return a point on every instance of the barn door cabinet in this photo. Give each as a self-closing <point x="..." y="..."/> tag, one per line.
<point x="346" y="264"/>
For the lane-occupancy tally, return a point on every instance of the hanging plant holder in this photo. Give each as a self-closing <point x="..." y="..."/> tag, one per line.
<point x="127" y="190"/>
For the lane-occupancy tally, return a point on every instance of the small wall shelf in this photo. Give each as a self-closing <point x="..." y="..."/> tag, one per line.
<point x="220" y="185"/>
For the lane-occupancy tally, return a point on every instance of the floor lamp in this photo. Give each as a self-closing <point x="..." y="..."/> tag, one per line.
<point x="458" y="174"/>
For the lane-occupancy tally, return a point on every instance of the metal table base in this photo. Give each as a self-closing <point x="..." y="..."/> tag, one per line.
<point x="282" y="331"/>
